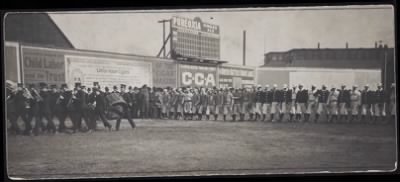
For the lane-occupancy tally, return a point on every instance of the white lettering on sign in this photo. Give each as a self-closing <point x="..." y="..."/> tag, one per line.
<point x="200" y="79"/>
<point x="187" y="23"/>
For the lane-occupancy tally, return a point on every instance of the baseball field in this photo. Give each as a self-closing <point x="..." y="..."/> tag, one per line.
<point x="169" y="147"/>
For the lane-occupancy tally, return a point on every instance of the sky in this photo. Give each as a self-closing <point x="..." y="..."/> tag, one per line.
<point x="267" y="29"/>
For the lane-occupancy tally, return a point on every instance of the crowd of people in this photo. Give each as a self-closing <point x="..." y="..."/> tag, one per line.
<point x="258" y="103"/>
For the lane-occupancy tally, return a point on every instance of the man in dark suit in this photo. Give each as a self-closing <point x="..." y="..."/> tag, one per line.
<point x="126" y="108"/>
<point x="61" y="106"/>
<point x="45" y="111"/>
<point x="97" y="102"/>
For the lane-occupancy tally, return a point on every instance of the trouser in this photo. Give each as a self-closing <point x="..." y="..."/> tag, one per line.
<point x="50" y="127"/>
<point x="188" y="107"/>
<point x="102" y="116"/>
<point x="343" y="109"/>
<point x="145" y="109"/>
<point x="310" y="107"/>
<point x="61" y="116"/>
<point x="379" y="109"/>
<point x="367" y="108"/>
<point x="134" y="110"/>
<point x="259" y="108"/>
<point x="354" y="105"/>
<point x="128" y="116"/>
<point x="13" y="117"/>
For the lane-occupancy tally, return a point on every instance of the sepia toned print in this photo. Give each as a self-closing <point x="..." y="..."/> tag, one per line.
<point x="100" y="94"/>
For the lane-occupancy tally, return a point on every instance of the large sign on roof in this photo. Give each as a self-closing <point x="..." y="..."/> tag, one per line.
<point x="193" y="38"/>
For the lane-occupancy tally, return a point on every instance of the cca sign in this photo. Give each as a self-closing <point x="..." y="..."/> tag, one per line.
<point x="198" y="79"/>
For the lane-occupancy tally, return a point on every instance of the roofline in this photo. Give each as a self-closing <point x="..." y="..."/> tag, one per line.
<point x="59" y="29"/>
<point x="328" y="49"/>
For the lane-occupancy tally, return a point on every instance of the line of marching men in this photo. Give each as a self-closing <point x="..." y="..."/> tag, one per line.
<point x="256" y="103"/>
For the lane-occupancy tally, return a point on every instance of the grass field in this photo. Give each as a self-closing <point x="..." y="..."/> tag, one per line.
<point x="167" y="147"/>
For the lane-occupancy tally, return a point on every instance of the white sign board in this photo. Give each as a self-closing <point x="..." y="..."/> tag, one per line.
<point x="336" y="78"/>
<point x="107" y="71"/>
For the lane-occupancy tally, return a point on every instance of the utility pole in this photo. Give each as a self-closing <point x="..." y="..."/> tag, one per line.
<point x="163" y="49"/>
<point x="244" y="47"/>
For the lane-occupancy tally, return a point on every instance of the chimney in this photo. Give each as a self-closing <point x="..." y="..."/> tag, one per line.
<point x="376" y="44"/>
<point x="318" y="46"/>
<point x="347" y="45"/>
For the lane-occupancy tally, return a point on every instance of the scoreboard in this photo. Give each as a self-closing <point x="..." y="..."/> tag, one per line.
<point x="192" y="38"/>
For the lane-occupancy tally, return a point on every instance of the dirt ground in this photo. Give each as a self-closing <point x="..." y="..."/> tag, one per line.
<point x="167" y="147"/>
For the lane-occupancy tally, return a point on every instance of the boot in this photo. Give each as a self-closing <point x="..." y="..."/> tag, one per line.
<point x="200" y="117"/>
<point x="291" y="117"/>
<point x="272" y="117"/>
<point x="224" y="117"/>
<point x="280" y="117"/>
<point x="215" y="117"/>
<point x="234" y="117"/>
<point x="263" y="118"/>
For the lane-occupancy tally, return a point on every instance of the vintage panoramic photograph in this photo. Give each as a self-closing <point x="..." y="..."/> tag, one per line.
<point x="189" y="92"/>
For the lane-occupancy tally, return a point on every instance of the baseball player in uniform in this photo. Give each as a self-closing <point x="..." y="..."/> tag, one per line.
<point x="311" y="103"/>
<point x="266" y="102"/>
<point x="259" y="102"/>
<point x="237" y="95"/>
<point x="367" y="103"/>
<point x="285" y="100"/>
<point x="343" y="100"/>
<point x="210" y="103"/>
<point x="275" y="101"/>
<point x="219" y="101"/>
<point x="333" y="104"/>
<point x="301" y="100"/>
<point x="292" y="104"/>
<point x="228" y="102"/>
<point x="380" y="104"/>
<point x="323" y="95"/>
<point x="355" y="102"/>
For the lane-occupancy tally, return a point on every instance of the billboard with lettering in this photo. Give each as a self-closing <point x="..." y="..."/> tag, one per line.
<point x="40" y="65"/>
<point x="236" y="76"/>
<point x="107" y="71"/>
<point x="194" y="38"/>
<point x="164" y="74"/>
<point x="197" y="75"/>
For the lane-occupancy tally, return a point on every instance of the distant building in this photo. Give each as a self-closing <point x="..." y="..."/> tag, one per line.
<point x="329" y="66"/>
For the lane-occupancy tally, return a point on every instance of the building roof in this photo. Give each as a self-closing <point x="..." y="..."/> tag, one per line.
<point x="34" y="28"/>
<point x="364" y="58"/>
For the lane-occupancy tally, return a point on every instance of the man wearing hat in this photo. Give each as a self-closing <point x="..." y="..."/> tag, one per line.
<point x="98" y="101"/>
<point x="267" y="100"/>
<point x="53" y="96"/>
<point x="236" y="103"/>
<point x="367" y="103"/>
<point x="252" y="103"/>
<point x="44" y="111"/>
<point x="344" y="102"/>
<point x="219" y="101"/>
<point x="322" y="97"/>
<point x="380" y="103"/>
<point x="245" y="104"/>
<point x="284" y="101"/>
<point x="333" y="104"/>
<point x="61" y="106"/>
<point x="355" y="102"/>
<point x="127" y="108"/>
<point x="292" y="104"/>
<point x="276" y="98"/>
<point x="259" y="101"/>
<point x="81" y="107"/>
<point x="115" y="89"/>
<point x="144" y="101"/>
<point x="301" y="100"/>
<point x="203" y="103"/>
<point x="211" y="96"/>
<point x="18" y="106"/>
<point x="228" y="102"/>
<point x="311" y="103"/>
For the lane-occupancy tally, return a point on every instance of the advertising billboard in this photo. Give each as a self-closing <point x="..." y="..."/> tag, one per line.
<point x="164" y="74"/>
<point x="194" y="38"/>
<point x="11" y="58"/>
<point x="40" y="65"/>
<point x="236" y="77"/>
<point x="197" y="76"/>
<point x="107" y="71"/>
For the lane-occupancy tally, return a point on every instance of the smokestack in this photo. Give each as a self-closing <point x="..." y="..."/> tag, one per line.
<point x="347" y="45"/>
<point x="318" y="45"/>
<point x="376" y="44"/>
<point x="244" y="47"/>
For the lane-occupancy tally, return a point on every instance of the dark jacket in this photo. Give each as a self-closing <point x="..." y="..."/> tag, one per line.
<point x="322" y="96"/>
<point x="302" y="96"/>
